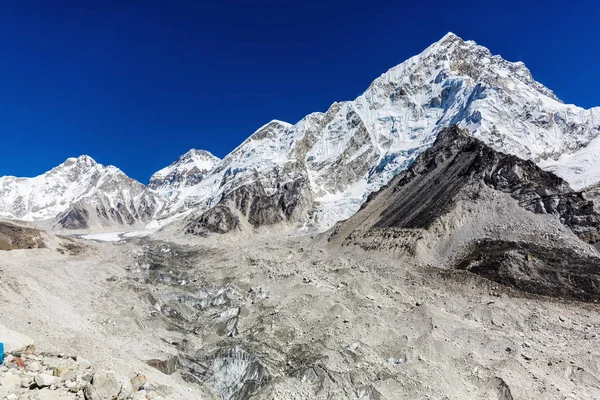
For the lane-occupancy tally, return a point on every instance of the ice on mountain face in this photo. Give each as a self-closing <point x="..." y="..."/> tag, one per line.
<point x="580" y="168"/>
<point x="356" y="147"/>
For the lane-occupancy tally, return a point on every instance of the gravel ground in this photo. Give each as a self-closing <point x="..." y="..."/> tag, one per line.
<point x="313" y="321"/>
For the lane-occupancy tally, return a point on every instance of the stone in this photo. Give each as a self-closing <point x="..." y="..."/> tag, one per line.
<point x="64" y="372"/>
<point x="44" y="380"/>
<point x="137" y="382"/>
<point x="152" y="395"/>
<point x="104" y="386"/>
<point x="126" y="388"/>
<point x="34" y="366"/>
<point x="18" y="362"/>
<point x="26" y="382"/>
<point x="48" y="394"/>
<point x="83" y="363"/>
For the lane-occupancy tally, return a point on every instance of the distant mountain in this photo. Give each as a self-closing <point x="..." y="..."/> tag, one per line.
<point x="78" y="194"/>
<point x="334" y="160"/>
<point x="188" y="170"/>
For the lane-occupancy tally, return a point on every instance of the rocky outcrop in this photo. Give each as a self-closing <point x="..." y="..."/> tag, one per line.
<point x="100" y="210"/>
<point x="290" y="202"/>
<point x="428" y="189"/>
<point x="592" y="193"/>
<point x="539" y="269"/>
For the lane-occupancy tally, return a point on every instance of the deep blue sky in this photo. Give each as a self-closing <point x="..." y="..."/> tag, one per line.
<point x="137" y="83"/>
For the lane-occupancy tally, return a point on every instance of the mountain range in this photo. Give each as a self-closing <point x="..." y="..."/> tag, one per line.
<point x="320" y="170"/>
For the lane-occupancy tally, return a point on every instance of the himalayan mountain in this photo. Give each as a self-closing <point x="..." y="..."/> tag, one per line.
<point x="320" y="170"/>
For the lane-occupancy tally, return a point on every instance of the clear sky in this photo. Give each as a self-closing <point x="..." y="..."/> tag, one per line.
<point x="138" y="83"/>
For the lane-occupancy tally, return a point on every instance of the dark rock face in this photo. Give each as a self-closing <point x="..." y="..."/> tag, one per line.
<point x="75" y="217"/>
<point x="557" y="272"/>
<point x="428" y="188"/>
<point x="259" y="208"/>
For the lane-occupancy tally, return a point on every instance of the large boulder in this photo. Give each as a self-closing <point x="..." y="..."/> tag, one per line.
<point x="104" y="386"/>
<point x="15" y="341"/>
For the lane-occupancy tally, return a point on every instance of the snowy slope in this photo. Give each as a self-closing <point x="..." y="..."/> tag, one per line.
<point x="356" y="147"/>
<point x="106" y="194"/>
<point x="580" y="168"/>
<point x="188" y="170"/>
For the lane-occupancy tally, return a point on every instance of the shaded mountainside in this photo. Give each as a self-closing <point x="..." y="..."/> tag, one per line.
<point x="461" y="197"/>
<point x="427" y="190"/>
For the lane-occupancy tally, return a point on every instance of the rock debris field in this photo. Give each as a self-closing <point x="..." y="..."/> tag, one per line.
<point x="281" y="317"/>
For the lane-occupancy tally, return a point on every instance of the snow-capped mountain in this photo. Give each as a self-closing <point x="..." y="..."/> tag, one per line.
<point x="321" y="169"/>
<point x="337" y="158"/>
<point x="188" y="170"/>
<point x="78" y="194"/>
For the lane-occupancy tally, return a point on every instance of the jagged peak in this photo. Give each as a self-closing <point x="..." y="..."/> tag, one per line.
<point x="197" y="160"/>
<point x="81" y="161"/>
<point x="449" y="37"/>
<point x="274" y="123"/>
<point x="193" y="154"/>
<point x="460" y="57"/>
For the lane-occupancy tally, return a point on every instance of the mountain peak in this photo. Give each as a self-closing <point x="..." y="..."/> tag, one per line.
<point x="198" y="154"/>
<point x="188" y="170"/>
<point x="449" y="37"/>
<point x="81" y="161"/>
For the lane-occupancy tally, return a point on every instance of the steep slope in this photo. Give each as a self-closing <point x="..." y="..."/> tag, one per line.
<point x="78" y="194"/>
<point x="356" y="147"/>
<point x="188" y="170"/>
<point x="464" y="204"/>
